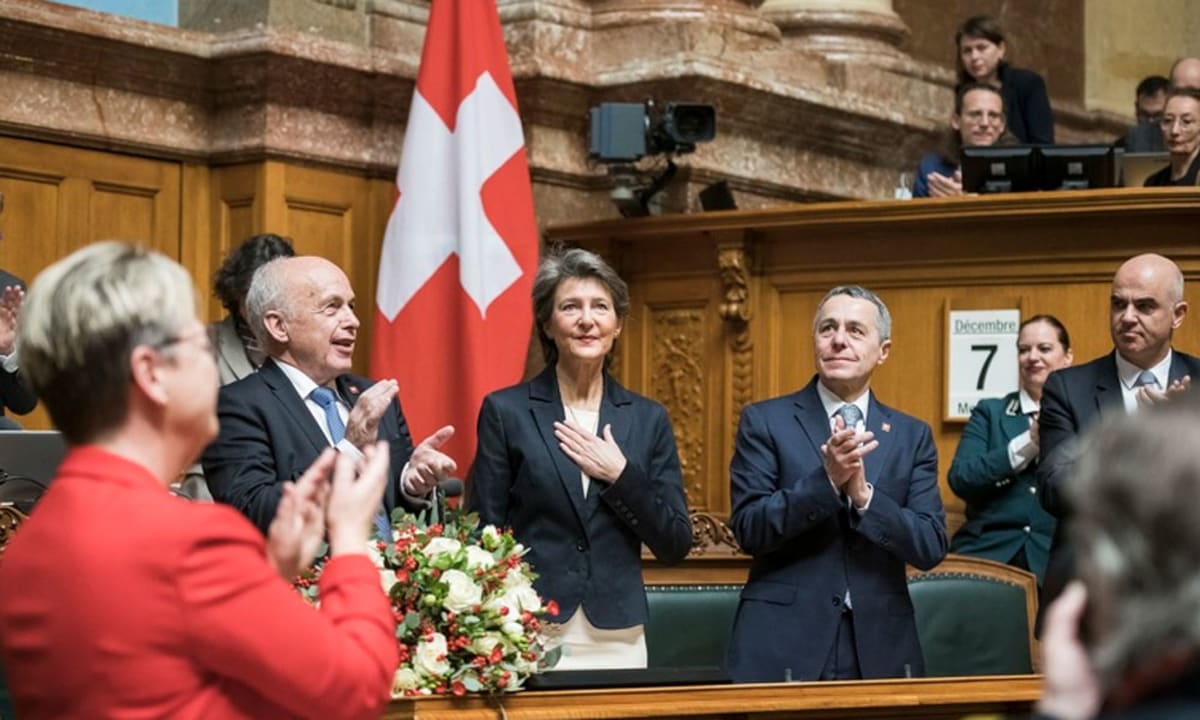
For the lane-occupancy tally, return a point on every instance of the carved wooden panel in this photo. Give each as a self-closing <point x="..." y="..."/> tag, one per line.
<point x="677" y="372"/>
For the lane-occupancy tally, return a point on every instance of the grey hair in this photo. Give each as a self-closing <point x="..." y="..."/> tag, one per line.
<point x="267" y="293"/>
<point x="860" y="292"/>
<point x="1134" y="491"/>
<point x="82" y="318"/>
<point x="559" y="265"/>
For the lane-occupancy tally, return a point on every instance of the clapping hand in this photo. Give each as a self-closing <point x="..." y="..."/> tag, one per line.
<point x="429" y="465"/>
<point x="843" y="456"/>
<point x="10" y="309"/>
<point x="1147" y="396"/>
<point x="299" y="525"/>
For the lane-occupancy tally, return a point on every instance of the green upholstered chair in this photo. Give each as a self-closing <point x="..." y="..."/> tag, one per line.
<point x="975" y="617"/>
<point x="689" y="625"/>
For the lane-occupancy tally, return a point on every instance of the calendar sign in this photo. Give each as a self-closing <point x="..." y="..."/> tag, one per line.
<point x="982" y="358"/>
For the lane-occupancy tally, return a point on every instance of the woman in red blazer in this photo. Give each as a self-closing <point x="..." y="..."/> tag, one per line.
<point x="120" y="600"/>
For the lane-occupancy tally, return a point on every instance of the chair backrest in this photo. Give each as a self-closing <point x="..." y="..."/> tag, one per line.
<point x="689" y="625"/>
<point x="975" y="617"/>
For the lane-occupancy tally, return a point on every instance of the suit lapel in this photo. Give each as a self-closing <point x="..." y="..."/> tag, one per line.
<point x="291" y="401"/>
<point x="545" y="404"/>
<point x="879" y="422"/>
<point x="1013" y="422"/>
<point x="810" y="413"/>
<point x="1108" y="386"/>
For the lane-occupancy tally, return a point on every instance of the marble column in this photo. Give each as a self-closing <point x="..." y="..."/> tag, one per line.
<point x="839" y="29"/>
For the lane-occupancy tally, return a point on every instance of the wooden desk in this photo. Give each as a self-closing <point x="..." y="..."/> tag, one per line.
<point x="928" y="699"/>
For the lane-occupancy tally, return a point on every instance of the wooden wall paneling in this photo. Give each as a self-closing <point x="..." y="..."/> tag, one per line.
<point x="196" y="233"/>
<point x="59" y="199"/>
<point x="235" y="213"/>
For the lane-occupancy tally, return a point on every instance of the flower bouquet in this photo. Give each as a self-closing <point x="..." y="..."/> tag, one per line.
<point x="467" y="617"/>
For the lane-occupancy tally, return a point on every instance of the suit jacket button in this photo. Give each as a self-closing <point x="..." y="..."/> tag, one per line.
<point x="580" y="546"/>
<point x="812" y="516"/>
<point x="836" y="601"/>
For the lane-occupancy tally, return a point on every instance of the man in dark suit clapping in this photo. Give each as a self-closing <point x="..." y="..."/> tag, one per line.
<point x="1145" y="308"/>
<point x="276" y="422"/>
<point x="833" y="492"/>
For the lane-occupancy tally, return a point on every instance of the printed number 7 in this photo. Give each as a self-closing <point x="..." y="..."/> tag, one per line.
<point x="987" y="362"/>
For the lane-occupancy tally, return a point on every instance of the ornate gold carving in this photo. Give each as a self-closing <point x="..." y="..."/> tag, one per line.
<point x="677" y="359"/>
<point x="10" y="518"/>
<point x="711" y="536"/>
<point x="731" y="259"/>
<point x="735" y="310"/>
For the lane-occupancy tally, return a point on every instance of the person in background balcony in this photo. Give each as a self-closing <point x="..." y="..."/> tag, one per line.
<point x="120" y="600"/>
<point x="978" y="120"/>
<point x="981" y="53"/>
<point x="994" y="468"/>
<point x="583" y="470"/>
<point x="1149" y="100"/>
<point x="238" y="352"/>
<point x="1181" y="134"/>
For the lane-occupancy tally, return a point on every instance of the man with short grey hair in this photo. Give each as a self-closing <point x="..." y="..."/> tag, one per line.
<point x="303" y="399"/>
<point x="833" y="492"/>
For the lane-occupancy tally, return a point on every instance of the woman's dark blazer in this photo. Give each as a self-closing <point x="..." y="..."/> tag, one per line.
<point x="585" y="550"/>
<point x="1026" y="105"/>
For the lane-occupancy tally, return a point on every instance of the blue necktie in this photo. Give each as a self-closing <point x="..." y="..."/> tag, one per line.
<point x="851" y="415"/>
<point x="326" y="398"/>
<point x="1145" y="377"/>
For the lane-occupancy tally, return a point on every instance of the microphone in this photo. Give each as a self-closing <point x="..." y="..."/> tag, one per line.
<point x="448" y="488"/>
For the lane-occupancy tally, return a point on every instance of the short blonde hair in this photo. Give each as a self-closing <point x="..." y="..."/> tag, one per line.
<point x="82" y="318"/>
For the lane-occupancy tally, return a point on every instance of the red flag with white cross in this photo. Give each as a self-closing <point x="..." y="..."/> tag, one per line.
<point x="452" y="315"/>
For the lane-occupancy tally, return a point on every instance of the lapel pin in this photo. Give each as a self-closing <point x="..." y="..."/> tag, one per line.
<point x="353" y="390"/>
<point x="886" y="427"/>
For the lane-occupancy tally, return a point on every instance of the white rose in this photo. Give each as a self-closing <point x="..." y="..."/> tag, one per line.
<point x="484" y="644"/>
<point x="477" y="557"/>
<point x="515" y="579"/>
<point x="462" y="592"/>
<point x="441" y="545"/>
<point x="525" y="597"/>
<point x="491" y="535"/>
<point x="430" y="658"/>
<point x="504" y="601"/>
<point x="518" y="550"/>
<point x="514" y="629"/>
<point x="405" y="679"/>
<point x="388" y="579"/>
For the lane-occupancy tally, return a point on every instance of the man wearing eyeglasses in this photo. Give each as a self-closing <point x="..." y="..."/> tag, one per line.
<point x="15" y="392"/>
<point x="978" y="119"/>
<point x="1181" y="134"/>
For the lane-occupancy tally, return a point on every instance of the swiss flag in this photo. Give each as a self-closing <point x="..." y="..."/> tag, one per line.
<point x="453" y="316"/>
